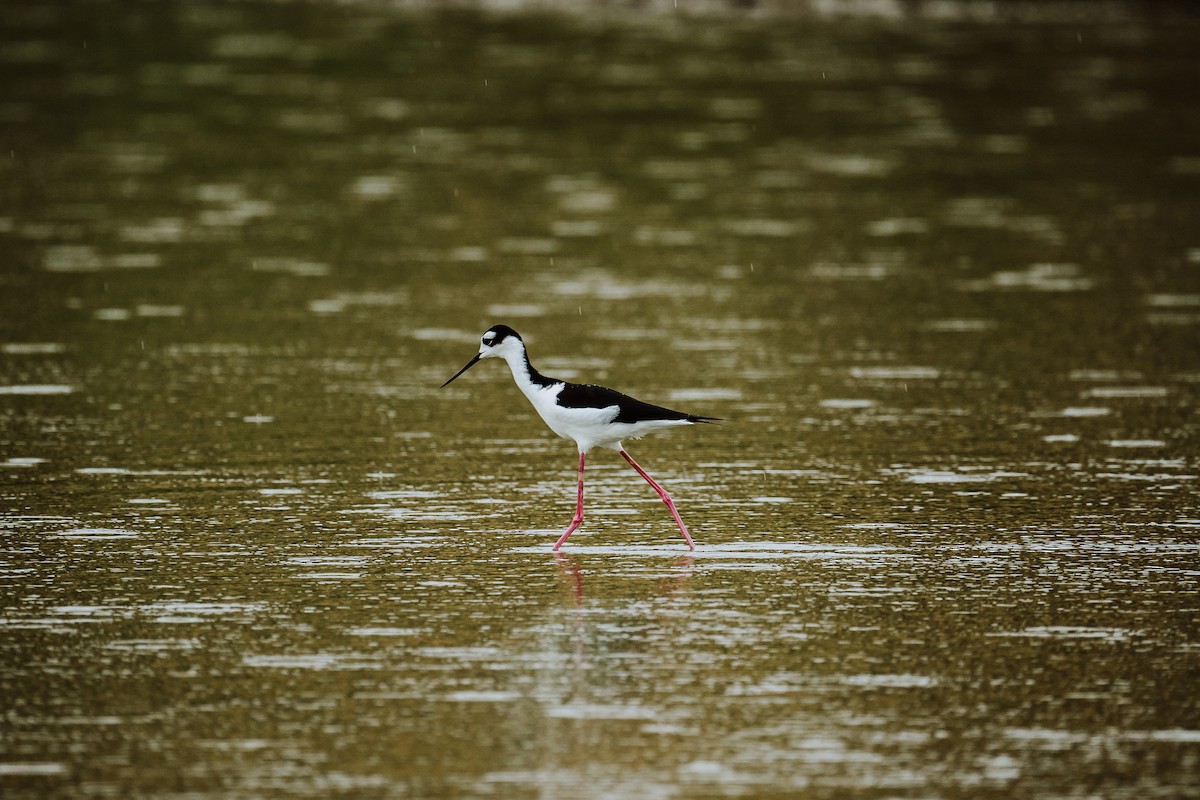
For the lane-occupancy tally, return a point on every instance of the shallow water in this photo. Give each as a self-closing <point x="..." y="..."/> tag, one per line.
<point x="939" y="274"/>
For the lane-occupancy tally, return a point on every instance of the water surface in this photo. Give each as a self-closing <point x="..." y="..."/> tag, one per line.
<point x="938" y="272"/>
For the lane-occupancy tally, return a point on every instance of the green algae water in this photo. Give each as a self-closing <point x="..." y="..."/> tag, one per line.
<point x="939" y="273"/>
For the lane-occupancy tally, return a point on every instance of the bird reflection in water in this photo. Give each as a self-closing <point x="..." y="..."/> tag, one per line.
<point x="571" y="572"/>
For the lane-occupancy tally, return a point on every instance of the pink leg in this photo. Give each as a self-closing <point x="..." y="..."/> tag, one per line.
<point x="666" y="498"/>
<point x="578" y="518"/>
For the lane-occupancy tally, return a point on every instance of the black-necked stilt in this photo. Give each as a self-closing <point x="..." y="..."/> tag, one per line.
<point x="591" y="415"/>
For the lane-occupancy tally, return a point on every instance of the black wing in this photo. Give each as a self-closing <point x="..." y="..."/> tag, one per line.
<point x="629" y="409"/>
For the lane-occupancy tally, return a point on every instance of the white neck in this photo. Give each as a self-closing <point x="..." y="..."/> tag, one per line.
<point x="522" y="372"/>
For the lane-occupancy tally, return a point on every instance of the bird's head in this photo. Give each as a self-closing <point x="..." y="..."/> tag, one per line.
<point x="498" y="341"/>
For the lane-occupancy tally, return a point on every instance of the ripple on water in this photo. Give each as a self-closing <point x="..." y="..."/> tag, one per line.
<point x="516" y="310"/>
<point x="163" y="612"/>
<point x="402" y="494"/>
<point x="481" y="696"/>
<point x="528" y="245"/>
<point x="313" y="561"/>
<point x="1085" y="411"/>
<point x="398" y="542"/>
<point x="697" y="395"/>
<point x="849" y="404"/>
<point x="328" y="561"/>
<point x="315" y="661"/>
<point x="153" y="645"/>
<point x="886" y="681"/>
<point x="1114" y="392"/>
<point x="98" y="534"/>
<point x="605" y="711"/>
<point x="904" y="373"/>
<point x="960" y="475"/>
<point x="32" y="348"/>
<point x="37" y="389"/>
<point x="18" y="768"/>
<point x="749" y="555"/>
<point x="1136" y="443"/>
<point x="22" y="462"/>
<point x="1068" y="633"/>
<point x="386" y="632"/>
<point x="1053" y="278"/>
<point x="960" y="325"/>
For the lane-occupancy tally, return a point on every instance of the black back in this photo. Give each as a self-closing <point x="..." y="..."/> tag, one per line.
<point x="629" y="409"/>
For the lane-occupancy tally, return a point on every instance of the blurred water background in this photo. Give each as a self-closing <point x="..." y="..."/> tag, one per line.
<point x="937" y="264"/>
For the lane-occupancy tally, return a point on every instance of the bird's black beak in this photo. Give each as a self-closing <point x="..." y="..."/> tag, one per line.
<point x="470" y="364"/>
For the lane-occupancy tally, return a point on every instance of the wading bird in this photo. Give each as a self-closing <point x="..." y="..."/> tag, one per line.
<point x="590" y="415"/>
